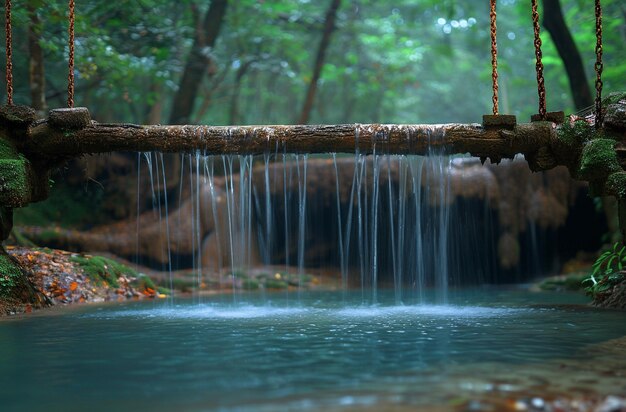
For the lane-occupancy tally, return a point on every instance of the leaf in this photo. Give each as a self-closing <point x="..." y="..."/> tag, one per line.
<point x="608" y="265"/>
<point x="73" y="286"/>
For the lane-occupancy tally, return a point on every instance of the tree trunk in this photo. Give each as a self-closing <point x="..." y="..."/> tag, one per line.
<point x="555" y="24"/>
<point x="197" y="63"/>
<point x="234" y="102"/>
<point x="37" y="80"/>
<point x="329" y="27"/>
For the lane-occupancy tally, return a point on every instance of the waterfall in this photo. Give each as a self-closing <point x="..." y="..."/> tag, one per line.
<point x="372" y="221"/>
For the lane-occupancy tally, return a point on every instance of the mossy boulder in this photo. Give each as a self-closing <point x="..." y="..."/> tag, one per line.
<point x="616" y="185"/>
<point x="21" y="182"/>
<point x="598" y="160"/>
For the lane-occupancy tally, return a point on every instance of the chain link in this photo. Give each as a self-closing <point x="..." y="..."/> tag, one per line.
<point x="494" y="56"/>
<point x="70" y="77"/>
<point x="9" y="51"/>
<point x="599" y="65"/>
<point x="541" y="87"/>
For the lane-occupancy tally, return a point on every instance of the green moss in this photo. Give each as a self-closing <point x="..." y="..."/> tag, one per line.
<point x="598" y="160"/>
<point x="7" y="149"/>
<point x="15" y="175"/>
<point x="104" y="271"/>
<point x="14" y="182"/>
<point x="250" y="284"/>
<point x="183" y="285"/>
<point x="275" y="284"/>
<point x="575" y="135"/>
<point x="616" y="185"/>
<point x="142" y="282"/>
<point x="11" y="276"/>
<point x="164" y="291"/>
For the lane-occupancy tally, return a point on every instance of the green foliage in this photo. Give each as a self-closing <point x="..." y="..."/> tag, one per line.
<point x="104" y="271"/>
<point x="607" y="271"/>
<point x="401" y="61"/>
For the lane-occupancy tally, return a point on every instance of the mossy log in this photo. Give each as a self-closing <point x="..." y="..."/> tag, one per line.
<point x="48" y="142"/>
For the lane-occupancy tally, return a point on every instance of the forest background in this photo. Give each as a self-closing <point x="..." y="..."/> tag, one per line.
<point x="298" y="61"/>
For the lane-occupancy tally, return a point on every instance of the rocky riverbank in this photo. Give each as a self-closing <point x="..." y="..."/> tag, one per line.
<point x="63" y="278"/>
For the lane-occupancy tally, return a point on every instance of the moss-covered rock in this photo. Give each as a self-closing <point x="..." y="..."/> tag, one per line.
<point x="574" y="135"/>
<point x="616" y="185"/>
<point x="598" y="160"/>
<point x="15" y="288"/>
<point x="20" y="182"/>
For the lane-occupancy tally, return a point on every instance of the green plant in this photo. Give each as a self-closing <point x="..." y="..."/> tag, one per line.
<point x="607" y="271"/>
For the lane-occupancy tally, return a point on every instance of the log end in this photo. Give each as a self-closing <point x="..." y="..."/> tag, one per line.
<point x="74" y="118"/>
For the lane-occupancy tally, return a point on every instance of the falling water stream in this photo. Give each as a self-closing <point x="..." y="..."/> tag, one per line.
<point x="400" y="328"/>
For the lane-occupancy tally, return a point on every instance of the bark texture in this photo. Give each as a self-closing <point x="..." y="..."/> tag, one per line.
<point x="51" y="143"/>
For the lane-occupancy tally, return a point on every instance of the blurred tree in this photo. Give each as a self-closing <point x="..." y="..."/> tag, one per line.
<point x="199" y="61"/>
<point x="329" y="27"/>
<point x="572" y="60"/>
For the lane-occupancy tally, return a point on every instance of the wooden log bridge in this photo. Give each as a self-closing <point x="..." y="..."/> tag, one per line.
<point x="69" y="133"/>
<point x="30" y="148"/>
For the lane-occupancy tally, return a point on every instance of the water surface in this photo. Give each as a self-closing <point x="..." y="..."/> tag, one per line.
<point x="326" y="350"/>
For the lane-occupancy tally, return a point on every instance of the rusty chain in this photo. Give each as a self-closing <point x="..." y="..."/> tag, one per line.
<point x="494" y="56"/>
<point x="541" y="87"/>
<point x="70" y="77"/>
<point x="599" y="65"/>
<point x="9" y="52"/>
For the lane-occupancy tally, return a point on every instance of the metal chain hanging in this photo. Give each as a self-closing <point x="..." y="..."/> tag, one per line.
<point x="599" y="65"/>
<point x="494" y="56"/>
<point x="70" y="77"/>
<point x="541" y="88"/>
<point x="9" y="52"/>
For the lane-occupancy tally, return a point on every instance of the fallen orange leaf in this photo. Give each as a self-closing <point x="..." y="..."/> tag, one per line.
<point x="73" y="286"/>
